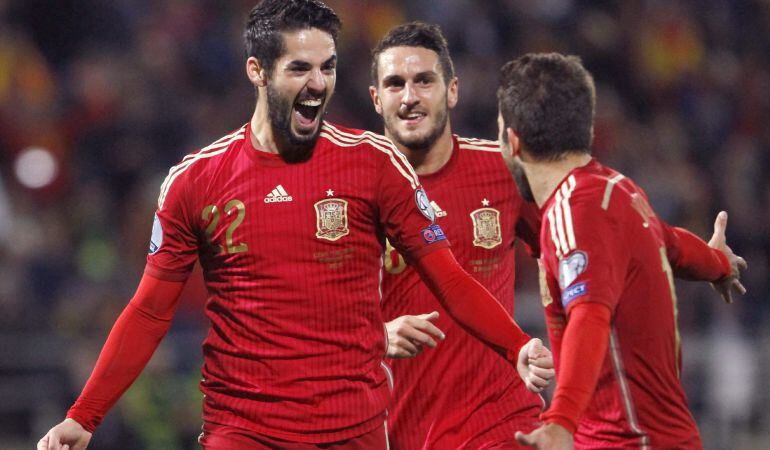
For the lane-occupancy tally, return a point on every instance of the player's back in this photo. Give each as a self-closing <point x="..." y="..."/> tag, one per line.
<point x="606" y="244"/>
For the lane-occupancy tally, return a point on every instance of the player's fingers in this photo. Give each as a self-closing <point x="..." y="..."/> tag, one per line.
<point x="409" y="347"/>
<point x="42" y="444"/>
<point x="433" y="330"/>
<point x="537" y="381"/>
<point x="534" y="384"/>
<point x="738" y="286"/>
<point x="543" y="373"/>
<point x="720" y="225"/>
<point x="418" y="337"/>
<point x="430" y="316"/>
<point x="53" y="442"/>
<point x="742" y="264"/>
<point x="525" y="439"/>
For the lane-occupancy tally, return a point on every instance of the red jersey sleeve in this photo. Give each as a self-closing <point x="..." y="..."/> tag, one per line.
<point x="691" y="258"/>
<point x="594" y="259"/>
<point x="406" y="214"/>
<point x="174" y="243"/>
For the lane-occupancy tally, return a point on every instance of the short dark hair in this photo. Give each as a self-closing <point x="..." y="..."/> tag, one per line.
<point x="548" y="99"/>
<point x="415" y="34"/>
<point x="271" y="17"/>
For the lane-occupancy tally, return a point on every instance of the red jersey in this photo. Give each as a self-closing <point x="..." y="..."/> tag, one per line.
<point x="601" y="242"/>
<point x="462" y="394"/>
<point x="291" y="255"/>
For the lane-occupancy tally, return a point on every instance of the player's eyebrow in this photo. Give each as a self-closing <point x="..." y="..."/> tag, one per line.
<point x="331" y="62"/>
<point x="428" y="75"/>
<point x="391" y="80"/>
<point x="298" y="65"/>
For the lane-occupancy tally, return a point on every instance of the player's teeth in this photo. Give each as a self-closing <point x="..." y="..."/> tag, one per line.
<point x="310" y="103"/>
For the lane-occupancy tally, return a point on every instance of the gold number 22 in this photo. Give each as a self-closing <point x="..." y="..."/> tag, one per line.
<point x="212" y="212"/>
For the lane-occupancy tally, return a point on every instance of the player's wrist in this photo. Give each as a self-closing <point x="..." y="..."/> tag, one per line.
<point x="724" y="262"/>
<point x="563" y="421"/>
<point x="88" y="422"/>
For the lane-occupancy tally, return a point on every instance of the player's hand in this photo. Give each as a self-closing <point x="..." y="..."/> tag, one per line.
<point x="548" y="437"/>
<point x="408" y="334"/>
<point x="730" y="283"/>
<point x="68" y="435"/>
<point x="535" y="365"/>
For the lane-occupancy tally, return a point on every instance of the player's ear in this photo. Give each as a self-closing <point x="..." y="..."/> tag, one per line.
<point x="452" y="93"/>
<point x="513" y="141"/>
<point x="256" y="72"/>
<point x="375" y="99"/>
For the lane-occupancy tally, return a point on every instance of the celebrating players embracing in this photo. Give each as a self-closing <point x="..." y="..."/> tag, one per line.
<point x="287" y="216"/>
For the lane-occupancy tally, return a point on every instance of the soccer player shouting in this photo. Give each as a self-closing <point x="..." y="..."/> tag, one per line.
<point x="609" y="263"/>
<point x="288" y="216"/>
<point x="414" y="89"/>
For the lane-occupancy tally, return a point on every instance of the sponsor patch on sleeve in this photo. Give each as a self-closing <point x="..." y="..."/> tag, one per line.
<point x="571" y="267"/>
<point x="433" y="234"/>
<point x="573" y="292"/>
<point x="157" y="235"/>
<point x="423" y="204"/>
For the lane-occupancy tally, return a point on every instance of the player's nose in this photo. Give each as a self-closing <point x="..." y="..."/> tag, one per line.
<point x="410" y="97"/>
<point x="317" y="82"/>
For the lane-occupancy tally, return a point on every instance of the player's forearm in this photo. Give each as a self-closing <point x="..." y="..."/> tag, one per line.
<point x="583" y="350"/>
<point x="470" y="304"/>
<point x="130" y="345"/>
<point x="692" y="259"/>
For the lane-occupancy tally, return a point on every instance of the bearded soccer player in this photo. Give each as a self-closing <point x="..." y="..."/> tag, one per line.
<point x="609" y="264"/>
<point x="414" y="89"/>
<point x="288" y="215"/>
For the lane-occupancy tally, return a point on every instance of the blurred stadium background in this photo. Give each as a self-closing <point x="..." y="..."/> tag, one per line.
<point x="98" y="99"/>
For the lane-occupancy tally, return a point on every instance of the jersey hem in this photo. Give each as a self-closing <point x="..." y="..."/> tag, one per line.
<point x="308" y="438"/>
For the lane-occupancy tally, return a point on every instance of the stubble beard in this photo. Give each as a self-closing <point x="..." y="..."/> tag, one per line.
<point x="419" y="143"/>
<point x="292" y="147"/>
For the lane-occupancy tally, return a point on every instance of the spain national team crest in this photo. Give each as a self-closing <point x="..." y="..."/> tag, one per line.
<point x="486" y="228"/>
<point x="331" y="219"/>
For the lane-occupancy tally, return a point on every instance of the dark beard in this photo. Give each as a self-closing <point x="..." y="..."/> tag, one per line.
<point x="292" y="148"/>
<point x="425" y="142"/>
<point x="521" y="180"/>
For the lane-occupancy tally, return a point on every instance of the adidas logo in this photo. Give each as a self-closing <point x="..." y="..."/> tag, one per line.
<point x="439" y="212"/>
<point x="278" y="195"/>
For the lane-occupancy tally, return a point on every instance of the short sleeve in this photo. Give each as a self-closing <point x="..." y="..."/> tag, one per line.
<point x="592" y="255"/>
<point x="406" y="214"/>
<point x="174" y="243"/>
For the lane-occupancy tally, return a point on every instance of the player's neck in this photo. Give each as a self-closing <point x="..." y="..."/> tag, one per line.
<point x="430" y="160"/>
<point x="261" y="132"/>
<point x="545" y="177"/>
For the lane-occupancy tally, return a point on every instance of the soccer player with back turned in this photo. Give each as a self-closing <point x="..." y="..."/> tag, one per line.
<point x="609" y="263"/>
<point x="288" y="215"/>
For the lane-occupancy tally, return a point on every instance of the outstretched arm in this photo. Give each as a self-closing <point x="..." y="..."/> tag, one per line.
<point x="476" y="310"/>
<point x="692" y="258"/>
<point x="132" y="341"/>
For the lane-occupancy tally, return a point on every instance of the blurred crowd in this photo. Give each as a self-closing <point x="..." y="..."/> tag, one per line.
<point x="98" y="99"/>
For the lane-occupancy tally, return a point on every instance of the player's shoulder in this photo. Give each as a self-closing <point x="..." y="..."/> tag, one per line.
<point x="351" y="138"/>
<point x="593" y="191"/>
<point x="198" y="162"/>
<point x="480" y="147"/>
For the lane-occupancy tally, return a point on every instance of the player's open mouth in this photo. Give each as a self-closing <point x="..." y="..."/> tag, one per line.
<point x="306" y="112"/>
